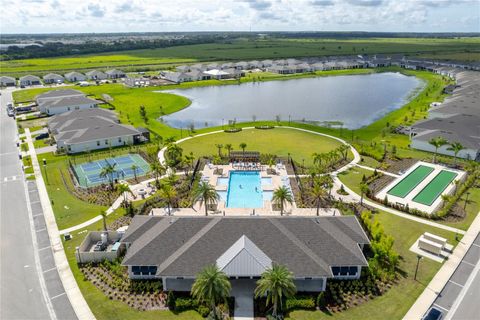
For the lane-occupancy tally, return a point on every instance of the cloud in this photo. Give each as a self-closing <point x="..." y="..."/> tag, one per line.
<point x="259" y="5"/>
<point x="366" y="3"/>
<point x="322" y="3"/>
<point x="124" y="7"/>
<point x="96" y="10"/>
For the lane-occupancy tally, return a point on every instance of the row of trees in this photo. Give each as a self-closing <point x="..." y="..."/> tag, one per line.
<point x="326" y="160"/>
<point x="212" y="287"/>
<point x="439" y="142"/>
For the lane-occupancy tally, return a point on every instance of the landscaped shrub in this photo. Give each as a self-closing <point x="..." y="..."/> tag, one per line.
<point x="448" y="205"/>
<point x="300" y="302"/>
<point x="171" y="300"/>
<point x="203" y="311"/>
<point x="265" y="127"/>
<point x="321" y="302"/>
<point x="184" y="304"/>
<point x="232" y="130"/>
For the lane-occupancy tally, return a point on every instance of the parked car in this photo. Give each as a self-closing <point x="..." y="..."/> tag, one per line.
<point x="42" y="136"/>
<point x="433" y="314"/>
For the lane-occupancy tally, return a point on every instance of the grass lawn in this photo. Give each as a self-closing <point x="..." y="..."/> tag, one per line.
<point x="396" y="302"/>
<point x="353" y="177"/>
<point x="68" y="209"/>
<point x="472" y="209"/>
<point x="101" y="305"/>
<point x="278" y="141"/>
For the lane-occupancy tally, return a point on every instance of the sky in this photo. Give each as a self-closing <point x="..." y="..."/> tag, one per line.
<point x="86" y="16"/>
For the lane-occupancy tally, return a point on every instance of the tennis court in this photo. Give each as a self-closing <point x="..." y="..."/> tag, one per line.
<point x="88" y="174"/>
<point x="434" y="189"/>
<point x="413" y="179"/>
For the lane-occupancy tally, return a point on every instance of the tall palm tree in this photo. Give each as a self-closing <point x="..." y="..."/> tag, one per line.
<point x="104" y="218"/>
<point x="318" y="158"/>
<point x="364" y="189"/>
<point x="229" y="148"/>
<point x="109" y="171"/>
<point x="174" y="153"/>
<point x="327" y="181"/>
<point x="343" y="149"/>
<point x="243" y="146"/>
<point x="276" y="283"/>
<point x="207" y="194"/>
<point x="212" y="287"/>
<point x="134" y="168"/>
<point x="318" y="193"/>
<point x="158" y="170"/>
<point x="168" y="193"/>
<point x="123" y="188"/>
<point x="456" y="147"/>
<point x="437" y="143"/>
<point x="219" y="147"/>
<point x="281" y="196"/>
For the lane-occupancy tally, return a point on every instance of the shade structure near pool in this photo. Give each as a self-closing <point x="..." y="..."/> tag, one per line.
<point x="413" y="179"/>
<point x="434" y="189"/>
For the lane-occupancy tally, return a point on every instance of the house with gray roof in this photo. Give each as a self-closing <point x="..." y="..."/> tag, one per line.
<point x="59" y="101"/>
<point x="29" y="80"/>
<point x="7" y="81"/>
<point x="53" y="78"/>
<point x="175" y="249"/>
<point x="75" y="76"/>
<point x="115" y="74"/>
<point x="91" y="129"/>
<point x="96" y="75"/>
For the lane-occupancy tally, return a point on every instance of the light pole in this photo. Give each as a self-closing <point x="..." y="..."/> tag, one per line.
<point x="45" y="169"/>
<point x="419" y="257"/>
<point x="466" y="201"/>
<point x="289" y="118"/>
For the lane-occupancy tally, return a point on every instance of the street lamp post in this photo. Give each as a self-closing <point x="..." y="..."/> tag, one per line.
<point x="289" y="118"/>
<point x="45" y="169"/>
<point x="419" y="257"/>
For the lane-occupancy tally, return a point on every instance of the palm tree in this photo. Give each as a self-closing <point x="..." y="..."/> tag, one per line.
<point x="219" y="147"/>
<point x="169" y="193"/>
<point x="437" y="143"/>
<point x="207" y="194"/>
<point x="456" y="147"/>
<point x="134" y="168"/>
<point x="318" y="193"/>
<point x="123" y="189"/>
<point x="343" y="149"/>
<point x="281" y="196"/>
<point x="108" y="172"/>
<point x="327" y="181"/>
<point x="318" y="158"/>
<point x="364" y="189"/>
<point x="104" y="218"/>
<point x="158" y="170"/>
<point x="276" y="283"/>
<point x="243" y="146"/>
<point x="174" y="153"/>
<point x="229" y="148"/>
<point x="212" y="287"/>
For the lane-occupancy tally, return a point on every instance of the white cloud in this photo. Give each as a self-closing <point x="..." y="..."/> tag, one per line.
<point x="31" y="16"/>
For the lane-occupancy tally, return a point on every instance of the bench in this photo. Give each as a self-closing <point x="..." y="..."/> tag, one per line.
<point x="435" y="238"/>
<point x="430" y="246"/>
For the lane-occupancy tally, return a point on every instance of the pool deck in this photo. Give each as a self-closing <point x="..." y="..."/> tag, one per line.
<point x="408" y="199"/>
<point x="208" y="174"/>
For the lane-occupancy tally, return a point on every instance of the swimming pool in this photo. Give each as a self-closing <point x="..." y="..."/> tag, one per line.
<point x="244" y="190"/>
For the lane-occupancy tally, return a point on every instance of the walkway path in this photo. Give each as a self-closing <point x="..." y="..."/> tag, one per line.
<point x="70" y="286"/>
<point x="378" y="170"/>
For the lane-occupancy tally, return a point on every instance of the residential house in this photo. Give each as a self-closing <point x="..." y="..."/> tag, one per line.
<point x="75" y="76"/>
<point x="7" y="81"/>
<point x="29" y="80"/>
<point x="91" y="129"/>
<point x="115" y="74"/>
<point x="60" y="101"/>
<point x="177" y="77"/>
<point x="53" y="78"/>
<point x="96" y="75"/>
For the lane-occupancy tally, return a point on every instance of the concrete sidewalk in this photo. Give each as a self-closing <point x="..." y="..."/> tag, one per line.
<point x="431" y="292"/>
<point x="74" y="294"/>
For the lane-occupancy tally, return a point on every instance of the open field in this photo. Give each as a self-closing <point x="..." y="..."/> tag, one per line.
<point x="240" y="49"/>
<point x="281" y="142"/>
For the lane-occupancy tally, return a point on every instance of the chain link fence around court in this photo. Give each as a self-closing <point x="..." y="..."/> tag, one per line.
<point x="128" y="166"/>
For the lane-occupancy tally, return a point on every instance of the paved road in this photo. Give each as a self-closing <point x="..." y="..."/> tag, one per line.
<point x="466" y="306"/>
<point x="30" y="287"/>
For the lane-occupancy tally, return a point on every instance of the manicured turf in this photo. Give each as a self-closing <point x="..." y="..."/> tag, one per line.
<point x="407" y="184"/>
<point x="278" y="141"/>
<point x="433" y="190"/>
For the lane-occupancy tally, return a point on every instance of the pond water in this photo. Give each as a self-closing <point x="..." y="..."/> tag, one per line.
<point x="355" y="100"/>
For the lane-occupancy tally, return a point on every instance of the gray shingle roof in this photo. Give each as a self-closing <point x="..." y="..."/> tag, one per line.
<point x="59" y="93"/>
<point x="183" y="246"/>
<point x="68" y="101"/>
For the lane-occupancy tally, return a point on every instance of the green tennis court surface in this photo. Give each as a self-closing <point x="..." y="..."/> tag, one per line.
<point x="407" y="184"/>
<point x="126" y="167"/>
<point x="434" y="189"/>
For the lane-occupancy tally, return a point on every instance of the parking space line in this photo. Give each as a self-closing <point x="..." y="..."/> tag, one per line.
<point x="466" y="262"/>
<point x="437" y="305"/>
<point x="40" y="214"/>
<point x="54" y="268"/>
<point x="44" y="248"/>
<point x="41" y="230"/>
<point x="58" y="295"/>
<point x="33" y="202"/>
<point x="476" y="245"/>
<point x="458" y="284"/>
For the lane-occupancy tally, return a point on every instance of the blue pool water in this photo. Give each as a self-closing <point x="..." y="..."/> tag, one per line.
<point x="244" y="190"/>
